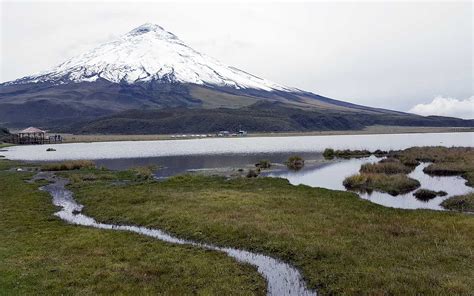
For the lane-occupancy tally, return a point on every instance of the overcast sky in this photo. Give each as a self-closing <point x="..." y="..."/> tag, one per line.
<point x="396" y="55"/>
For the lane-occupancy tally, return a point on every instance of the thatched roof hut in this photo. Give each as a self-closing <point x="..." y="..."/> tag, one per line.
<point x="31" y="135"/>
<point x="32" y="130"/>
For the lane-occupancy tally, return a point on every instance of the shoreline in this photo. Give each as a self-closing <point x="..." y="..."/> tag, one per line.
<point x="371" y="130"/>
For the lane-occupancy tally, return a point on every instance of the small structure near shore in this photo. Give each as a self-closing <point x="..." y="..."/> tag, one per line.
<point x="33" y="135"/>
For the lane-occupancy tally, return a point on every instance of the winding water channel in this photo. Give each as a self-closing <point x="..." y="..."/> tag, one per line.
<point x="282" y="278"/>
<point x="332" y="175"/>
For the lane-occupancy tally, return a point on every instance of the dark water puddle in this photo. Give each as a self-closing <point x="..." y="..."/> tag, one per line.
<point x="282" y="278"/>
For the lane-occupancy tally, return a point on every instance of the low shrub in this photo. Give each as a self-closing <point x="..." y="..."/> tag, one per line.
<point x="68" y="165"/>
<point x="295" y="162"/>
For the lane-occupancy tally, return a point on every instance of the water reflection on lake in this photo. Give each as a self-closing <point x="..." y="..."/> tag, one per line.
<point x="332" y="175"/>
<point x="173" y="165"/>
<point x="249" y="145"/>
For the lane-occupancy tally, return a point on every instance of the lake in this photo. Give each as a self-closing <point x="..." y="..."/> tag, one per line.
<point x="244" y="145"/>
<point x="179" y="156"/>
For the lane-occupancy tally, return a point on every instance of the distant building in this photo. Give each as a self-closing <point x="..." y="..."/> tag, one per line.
<point x="33" y="135"/>
<point x="223" y="134"/>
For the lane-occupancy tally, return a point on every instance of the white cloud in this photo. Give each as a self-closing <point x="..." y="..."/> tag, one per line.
<point x="446" y="107"/>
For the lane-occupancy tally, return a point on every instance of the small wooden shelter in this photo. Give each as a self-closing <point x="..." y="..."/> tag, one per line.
<point x="31" y="135"/>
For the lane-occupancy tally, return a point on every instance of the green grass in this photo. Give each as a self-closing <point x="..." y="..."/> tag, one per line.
<point x="462" y="203"/>
<point x="446" y="161"/>
<point x="42" y="255"/>
<point x="385" y="167"/>
<point x="342" y="244"/>
<point x="330" y="153"/>
<point x="68" y="165"/>
<point x="394" y="184"/>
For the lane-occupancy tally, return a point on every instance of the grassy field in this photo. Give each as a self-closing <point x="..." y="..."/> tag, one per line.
<point x="342" y="244"/>
<point x="41" y="255"/>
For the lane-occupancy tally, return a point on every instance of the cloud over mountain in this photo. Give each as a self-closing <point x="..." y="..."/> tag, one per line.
<point x="444" y="106"/>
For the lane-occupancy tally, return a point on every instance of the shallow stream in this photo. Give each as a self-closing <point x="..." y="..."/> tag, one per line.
<point x="282" y="278"/>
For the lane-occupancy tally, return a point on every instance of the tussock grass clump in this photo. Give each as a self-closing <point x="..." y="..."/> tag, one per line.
<point x="68" y="165"/>
<point x="263" y="164"/>
<point x="295" y="162"/>
<point x="447" y="168"/>
<point x="331" y="153"/>
<point x="389" y="168"/>
<point x="426" y="194"/>
<point x="328" y="153"/>
<point x="469" y="176"/>
<point x="462" y="203"/>
<point x="92" y="177"/>
<point x="252" y="174"/>
<point x="390" y="159"/>
<point x="409" y="161"/>
<point x="143" y="173"/>
<point x="392" y="184"/>
<point x="439" y="154"/>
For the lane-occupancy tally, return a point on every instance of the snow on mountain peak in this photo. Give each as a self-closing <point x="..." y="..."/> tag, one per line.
<point x="150" y="53"/>
<point x="153" y="28"/>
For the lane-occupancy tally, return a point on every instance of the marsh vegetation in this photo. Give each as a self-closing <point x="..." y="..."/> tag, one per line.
<point x="393" y="184"/>
<point x="426" y="194"/>
<point x="295" y="162"/>
<point x="390" y="174"/>
<point x="320" y="231"/>
<point x="68" y="165"/>
<point x="462" y="203"/>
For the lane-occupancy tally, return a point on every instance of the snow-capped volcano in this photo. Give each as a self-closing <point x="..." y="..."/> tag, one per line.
<point x="149" y="81"/>
<point x="150" y="53"/>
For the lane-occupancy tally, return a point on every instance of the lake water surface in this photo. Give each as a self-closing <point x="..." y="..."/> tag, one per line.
<point x="179" y="156"/>
<point x="245" y="145"/>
